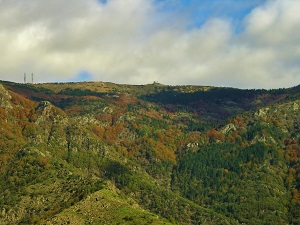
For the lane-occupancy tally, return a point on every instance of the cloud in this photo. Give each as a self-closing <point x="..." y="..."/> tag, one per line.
<point x="138" y="41"/>
<point x="275" y="23"/>
<point x="57" y="39"/>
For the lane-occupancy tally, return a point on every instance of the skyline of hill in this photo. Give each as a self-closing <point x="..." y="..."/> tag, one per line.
<point x="105" y="153"/>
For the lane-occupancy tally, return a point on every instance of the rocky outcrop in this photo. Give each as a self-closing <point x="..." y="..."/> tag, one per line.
<point x="193" y="146"/>
<point x="262" y="112"/>
<point x="228" y="128"/>
<point x="5" y="98"/>
<point x="295" y="106"/>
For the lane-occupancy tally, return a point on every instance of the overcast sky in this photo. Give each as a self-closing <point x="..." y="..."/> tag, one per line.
<point x="244" y="44"/>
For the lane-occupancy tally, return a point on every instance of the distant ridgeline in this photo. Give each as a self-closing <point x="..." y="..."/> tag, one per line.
<point x="104" y="153"/>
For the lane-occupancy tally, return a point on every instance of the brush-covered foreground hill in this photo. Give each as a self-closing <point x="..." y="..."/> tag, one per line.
<point x="102" y="153"/>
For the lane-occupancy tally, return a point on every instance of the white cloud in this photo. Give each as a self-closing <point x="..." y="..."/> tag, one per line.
<point x="130" y="42"/>
<point x="276" y="22"/>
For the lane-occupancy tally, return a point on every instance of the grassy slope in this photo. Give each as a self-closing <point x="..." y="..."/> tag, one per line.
<point x="107" y="206"/>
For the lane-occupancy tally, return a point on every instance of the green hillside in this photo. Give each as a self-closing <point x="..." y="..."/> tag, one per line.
<point x="104" y="153"/>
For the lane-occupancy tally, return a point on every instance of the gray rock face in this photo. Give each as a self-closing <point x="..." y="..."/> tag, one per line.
<point x="229" y="127"/>
<point x="295" y="107"/>
<point x="262" y="112"/>
<point x="5" y="98"/>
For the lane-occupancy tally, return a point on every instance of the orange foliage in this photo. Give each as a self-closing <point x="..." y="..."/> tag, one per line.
<point x="194" y="136"/>
<point x="245" y="144"/>
<point x="167" y="135"/>
<point x="239" y="121"/>
<point x="105" y="118"/>
<point x="275" y="122"/>
<point x="163" y="152"/>
<point x="117" y="113"/>
<point x="152" y="114"/>
<point x="134" y="126"/>
<point x="215" y="135"/>
<point x="90" y="98"/>
<point x="118" y="128"/>
<point x="132" y="151"/>
<point x="291" y="176"/>
<point x="44" y="162"/>
<point x="292" y="155"/>
<point x="74" y="110"/>
<point x="281" y="153"/>
<point x="125" y="100"/>
<point x="3" y="160"/>
<point x="296" y="196"/>
<point x="27" y="108"/>
<point x="20" y="100"/>
<point x="290" y="141"/>
<point x="111" y="132"/>
<point x="230" y="138"/>
<point x="292" y="150"/>
<point x="2" y="112"/>
<point x="98" y="131"/>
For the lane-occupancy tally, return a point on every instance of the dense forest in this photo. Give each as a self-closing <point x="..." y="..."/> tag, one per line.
<point x="104" y="153"/>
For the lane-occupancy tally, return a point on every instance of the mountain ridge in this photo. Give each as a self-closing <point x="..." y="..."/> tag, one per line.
<point x="146" y="141"/>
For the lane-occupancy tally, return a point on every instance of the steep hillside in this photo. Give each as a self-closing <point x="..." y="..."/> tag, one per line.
<point x="103" y="153"/>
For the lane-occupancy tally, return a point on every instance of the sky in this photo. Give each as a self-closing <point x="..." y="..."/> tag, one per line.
<point x="233" y="43"/>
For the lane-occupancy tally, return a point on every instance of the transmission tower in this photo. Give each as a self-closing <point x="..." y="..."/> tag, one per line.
<point x="24" y="78"/>
<point x="32" y="78"/>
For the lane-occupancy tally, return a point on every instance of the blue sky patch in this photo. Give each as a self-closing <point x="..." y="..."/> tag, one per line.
<point x="198" y="12"/>
<point x="83" y="76"/>
<point x="104" y="2"/>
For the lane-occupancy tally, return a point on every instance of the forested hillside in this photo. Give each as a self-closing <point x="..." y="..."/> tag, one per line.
<point x="104" y="153"/>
